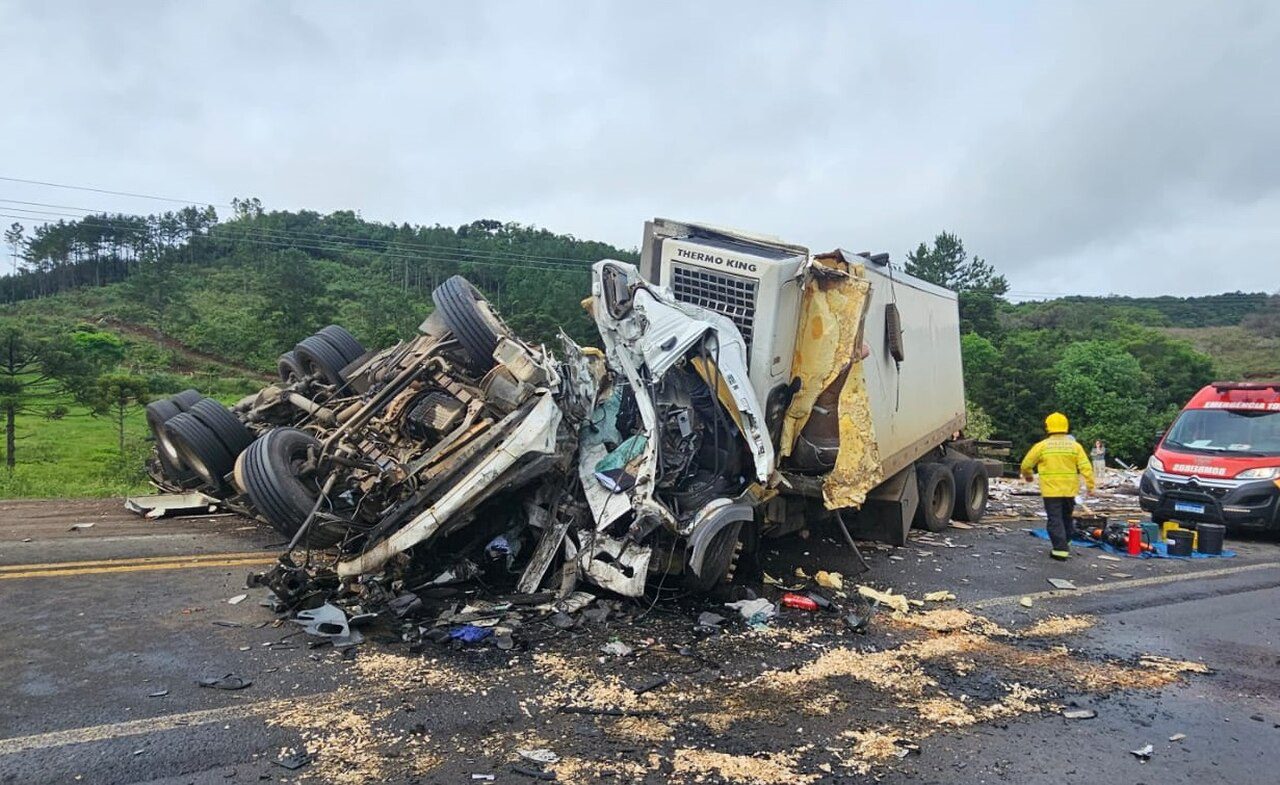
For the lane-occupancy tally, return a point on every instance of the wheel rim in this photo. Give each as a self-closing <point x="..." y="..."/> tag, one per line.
<point x="978" y="492"/>
<point x="941" y="505"/>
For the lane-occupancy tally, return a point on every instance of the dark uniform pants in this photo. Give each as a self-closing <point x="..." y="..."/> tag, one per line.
<point x="1061" y="526"/>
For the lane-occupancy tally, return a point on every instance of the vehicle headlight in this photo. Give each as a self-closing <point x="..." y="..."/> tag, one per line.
<point x="1154" y="464"/>
<point x="1261" y="473"/>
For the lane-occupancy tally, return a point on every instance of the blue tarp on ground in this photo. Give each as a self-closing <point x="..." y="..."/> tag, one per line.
<point x="1161" y="552"/>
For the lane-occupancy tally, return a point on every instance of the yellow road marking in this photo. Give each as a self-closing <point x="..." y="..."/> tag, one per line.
<point x="176" y="564"/>
<point x="1155" y="580"/>
<point x="132" y="560"/>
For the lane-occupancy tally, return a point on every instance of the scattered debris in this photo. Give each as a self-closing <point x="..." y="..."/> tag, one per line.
<point x="236" y="600"/>
<point x="1177" y="737"/>
<point x="158" y="694"/>
<point x="164" y="504"/>
<point x="1079" y="714"/>
<point x="939" y="596"/>
<point x="616" y="648"/>
<point x="543" y="756"/>
<point x="230" y="682"/>
<point x="756" y="612"/>
<point x="829" y="580"/>
<point x="292" y="760"/>
<point x="1143" y="753"/>
<point x="896" y="601"/>
<point x="1026" y="602"/>
<point x="78" y="526"/>
<point x="1061" y="583"/>
<point x="798" y="602"/>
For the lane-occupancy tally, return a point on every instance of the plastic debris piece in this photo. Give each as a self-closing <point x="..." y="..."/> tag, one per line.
<point x="469" y="633"/>
<point x="78" y="526"/>
<point x="543" y="756"/>
<point x="939" y="596"/>
<point x="236" y="600"/>
<point x="829" y="580"/>
<point x="756" y="612"/>
<point x="896" y="601"/>
<point x="158" y="694"/>
<point x="483" y="777"/>
<point x="709" y="619"/>
<point x="1079" y="714"/>
<point x="229" y="682"/>
<point x="616" y="649"/>
<point x="292" y="761"/>
<point x="1061" y="583"/>
<point x="1143" y="753"/>
<point x="1026" y="602"/>
<point x="1177" y="737"/>
<point x="800" y="573"/>
<point x="799" y="602"/>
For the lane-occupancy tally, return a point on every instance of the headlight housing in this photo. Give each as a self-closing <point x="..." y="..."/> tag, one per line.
<point x="1155" y="464"/>
<point x="1261" y="473"/>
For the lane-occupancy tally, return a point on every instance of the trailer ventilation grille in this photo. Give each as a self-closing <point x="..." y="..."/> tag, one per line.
<point x="727" y="295"/>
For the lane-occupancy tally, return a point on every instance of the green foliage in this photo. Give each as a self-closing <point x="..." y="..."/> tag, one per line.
<point x="1265" y="321"/>
<point x="948" y="264"/>
<point x="979" y="423"/>
<point x="1104" y="391"/>
<point x="114" y="393"/>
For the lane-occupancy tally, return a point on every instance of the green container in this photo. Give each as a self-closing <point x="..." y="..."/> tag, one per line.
<point x="1150" y="532"/>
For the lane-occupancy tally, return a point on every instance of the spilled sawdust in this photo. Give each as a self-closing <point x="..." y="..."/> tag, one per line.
<point x="393" y="669"/>
<point x="347" y="749"/>
<point x="575" y="769"/>
<point x="648" y="730"/>
<point x="952" y="620"/>
<point x="777" y="768"/>
<point x="1056" y="626"/>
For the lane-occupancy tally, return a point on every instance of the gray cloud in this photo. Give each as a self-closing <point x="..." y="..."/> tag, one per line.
<point x="1085" y="148"/>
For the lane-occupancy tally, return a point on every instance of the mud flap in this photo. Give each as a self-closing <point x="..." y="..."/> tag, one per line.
<point x="889" y="509"/>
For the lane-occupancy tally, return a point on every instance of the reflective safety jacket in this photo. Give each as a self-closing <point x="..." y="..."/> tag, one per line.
<point x="1058" y="459"/>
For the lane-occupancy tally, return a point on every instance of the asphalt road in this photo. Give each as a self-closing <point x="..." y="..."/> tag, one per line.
<point x="107" y="629"/>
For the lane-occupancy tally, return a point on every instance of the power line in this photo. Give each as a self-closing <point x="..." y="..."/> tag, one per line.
<point x="108" y="191"/>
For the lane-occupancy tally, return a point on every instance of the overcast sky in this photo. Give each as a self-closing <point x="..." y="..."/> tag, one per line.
<point x="1108" y="147"/>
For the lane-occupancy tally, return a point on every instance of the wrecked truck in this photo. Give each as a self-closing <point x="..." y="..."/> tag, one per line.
<point x="743" y="388"/>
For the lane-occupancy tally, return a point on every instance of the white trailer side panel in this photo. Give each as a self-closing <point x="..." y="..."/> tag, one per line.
<point x="918" y="403"/>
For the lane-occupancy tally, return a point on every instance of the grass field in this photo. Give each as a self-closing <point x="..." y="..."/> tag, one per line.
<point x="1236" y="352"/>
<point x="76" y="455"/>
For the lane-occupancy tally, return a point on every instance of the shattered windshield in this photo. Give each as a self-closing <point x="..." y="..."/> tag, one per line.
<point x="1251" y="433"/>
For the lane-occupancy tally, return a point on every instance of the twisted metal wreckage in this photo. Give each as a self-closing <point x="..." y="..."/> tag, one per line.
<point x="466" y="454"/>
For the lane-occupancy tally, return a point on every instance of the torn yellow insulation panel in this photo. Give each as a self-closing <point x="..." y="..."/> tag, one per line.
<point x="833" y="308"/>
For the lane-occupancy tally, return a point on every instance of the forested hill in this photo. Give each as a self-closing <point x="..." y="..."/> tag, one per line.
<point x="201" y="301"/>
<point x="248" y="288"/>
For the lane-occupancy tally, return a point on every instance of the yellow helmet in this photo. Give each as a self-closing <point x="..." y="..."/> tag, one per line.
<point x="1056" y="423"/>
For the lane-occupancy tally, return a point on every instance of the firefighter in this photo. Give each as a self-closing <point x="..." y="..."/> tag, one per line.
<point x="1060" y="462"/>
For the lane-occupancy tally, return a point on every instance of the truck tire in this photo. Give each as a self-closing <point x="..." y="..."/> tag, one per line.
<point x="343" y="341"/>
<point x="472" y="321"/>
<point x="171" y="465"/>
<point x="224" y="425"/>
<point x="199" y="448"/>
<point x="318" y="358"/>
<point x="186" y="399"/>
<point x="269" y="471"/>
<point x="893" y="332"/>
<point x="971" y="490"/>
<point x="937" y="496"/>
<point x="717" y="560"/>
<point x="289" y="368"/>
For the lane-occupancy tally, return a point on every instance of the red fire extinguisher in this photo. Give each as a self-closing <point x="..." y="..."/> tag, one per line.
<point x="1135" y="541"/>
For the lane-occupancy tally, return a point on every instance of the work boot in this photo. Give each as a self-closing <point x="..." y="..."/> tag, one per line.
<point x="1060" y="555"/>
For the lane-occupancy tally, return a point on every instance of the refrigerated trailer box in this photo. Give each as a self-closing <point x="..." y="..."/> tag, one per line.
<point x="857" y="366"/>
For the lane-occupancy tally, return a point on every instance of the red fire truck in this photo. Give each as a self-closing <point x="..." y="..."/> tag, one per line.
<point x="1220" y="460"/>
